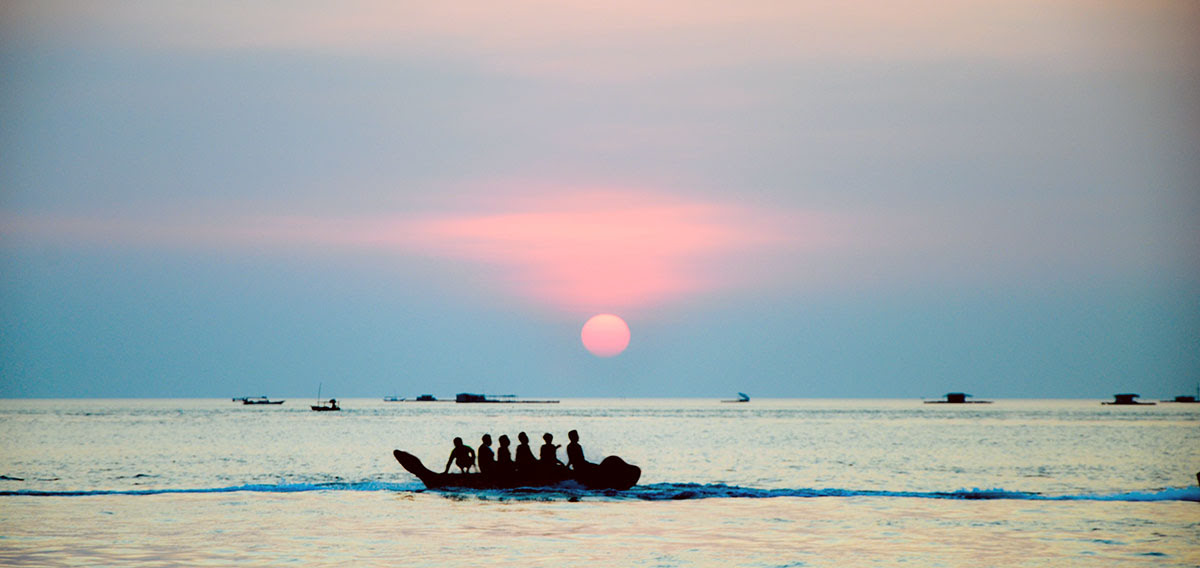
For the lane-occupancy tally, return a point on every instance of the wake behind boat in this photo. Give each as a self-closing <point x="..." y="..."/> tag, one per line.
<point x="611" y="473"/>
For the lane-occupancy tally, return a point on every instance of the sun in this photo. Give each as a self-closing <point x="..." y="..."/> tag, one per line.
<point x="605" y="335"/>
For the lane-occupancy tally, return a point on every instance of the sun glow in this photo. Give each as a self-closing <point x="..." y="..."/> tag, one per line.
<point x="602" y="249"/>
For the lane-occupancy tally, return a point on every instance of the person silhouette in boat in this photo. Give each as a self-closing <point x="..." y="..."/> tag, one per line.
<point x="486" y="459"/>
<point x="525" y="460"/>
<point x="549" y="453"/>
<point x="504" y="463"/>
<point x="575" y="459"/>
<point x="462" y="455"/>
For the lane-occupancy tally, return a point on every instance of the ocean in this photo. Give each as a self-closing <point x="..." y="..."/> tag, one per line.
<point x="766" y="483"/>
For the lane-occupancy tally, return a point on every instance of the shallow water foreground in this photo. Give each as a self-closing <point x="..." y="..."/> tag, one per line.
<point x="434" y="529"/>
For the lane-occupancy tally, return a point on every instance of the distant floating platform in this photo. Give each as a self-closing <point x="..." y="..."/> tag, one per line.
<point x="957" y="398"/>
<point x="1127" y="399"/>
<point x="1184" y="399"/>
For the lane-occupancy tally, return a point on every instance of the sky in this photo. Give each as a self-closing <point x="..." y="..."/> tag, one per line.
<point x="805" y="199"/>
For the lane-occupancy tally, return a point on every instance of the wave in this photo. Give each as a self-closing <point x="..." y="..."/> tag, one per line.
<point x="677" y="491"/>
<point x="652" y="492"/>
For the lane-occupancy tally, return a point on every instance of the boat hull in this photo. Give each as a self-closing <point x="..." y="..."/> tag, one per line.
<point x="612" y="473"/>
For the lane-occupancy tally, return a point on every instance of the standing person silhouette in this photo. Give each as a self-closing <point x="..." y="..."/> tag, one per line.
<point x="549" y="452"/>
<point x="575" y="459"/>
<point x="504" y="463"/>
<point x="462" y="455"/>
<point x="486" y="457"/>
<point x="525" y="460"/>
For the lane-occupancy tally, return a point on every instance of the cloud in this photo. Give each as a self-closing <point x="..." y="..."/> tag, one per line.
<point x="622" y="39"/>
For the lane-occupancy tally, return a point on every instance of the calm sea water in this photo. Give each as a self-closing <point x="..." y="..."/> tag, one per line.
<point x="767" y="483"/>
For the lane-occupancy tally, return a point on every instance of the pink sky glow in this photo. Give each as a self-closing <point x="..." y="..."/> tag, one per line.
<point x="603" y="250"/>
<point x="583" y="251"/>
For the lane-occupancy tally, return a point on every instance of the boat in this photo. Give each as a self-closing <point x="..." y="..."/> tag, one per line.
<point x="425" y="398"/>
<point x="611" y="473"/>
<point x="258" y="400"/>
<point x="327" y="406"/>
<point x="1186" y="398"/>
<point x="497" y="398"/>
<point x="957" y="398"/>
<point x="742" y="397"/>
<point x="393" y="398"/>
<point x="331" y="405"/>
<point x="1127" y="399"/>
<point x="1183" y="398"/>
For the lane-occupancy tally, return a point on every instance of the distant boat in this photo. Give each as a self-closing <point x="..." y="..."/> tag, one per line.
<point x="331" y="405"/>
<point x="742" y="397"/>
<point x="1187" y="397"/>
<point x="324" y="407"/>
<point x="421" y="398"/>
<point x="497" y="398"/>
<point x="1127" y="399"/>
<point x="957" y="398"/>
<point x="258" y="400"/>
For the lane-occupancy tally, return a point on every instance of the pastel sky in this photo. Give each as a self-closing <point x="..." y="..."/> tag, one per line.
<point x="809" y="199"/>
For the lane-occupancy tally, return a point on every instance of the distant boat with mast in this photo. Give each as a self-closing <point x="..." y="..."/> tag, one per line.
<point x="742" y="397"/>
<point x="331" y="405"/>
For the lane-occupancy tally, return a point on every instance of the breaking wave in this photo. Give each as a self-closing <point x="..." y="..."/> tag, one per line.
<point x="652" y="492"/>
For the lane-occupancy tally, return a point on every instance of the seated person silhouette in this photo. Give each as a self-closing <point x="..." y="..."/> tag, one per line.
<point x="549" y="453"/>
<point x="486" y="459"/>
<point x="575" y="459"/>
<point x="525" y="460"/>
<point x="504" y="463"/>
<point x="462" y="455"/>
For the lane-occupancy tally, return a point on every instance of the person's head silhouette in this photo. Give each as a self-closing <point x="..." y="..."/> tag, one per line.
<point x="573" y="436"/>
<point x="548" y="437"/>
<point x="504" y="441"/>
<point x="487" y="439"/>
<point x="457" y="442"/>
<point x="523" y="438"/>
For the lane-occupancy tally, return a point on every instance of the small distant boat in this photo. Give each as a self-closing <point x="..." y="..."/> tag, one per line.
<point x="1183" y="398"/>
<point x="332" y="404"/>
<point x="742" y="397"/>
<point x="957" y="398"/>
<point x="1187" y="398"/>
<point x="421" y="398"/>
<point x="258" y="400"/>
<point x="497" y="398"/>
<point x="1127" y="399"/>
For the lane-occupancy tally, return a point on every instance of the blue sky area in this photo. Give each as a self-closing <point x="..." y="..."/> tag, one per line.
<point x="821" y="200"/>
